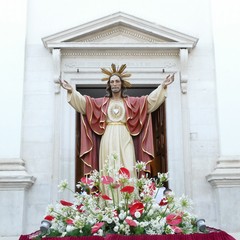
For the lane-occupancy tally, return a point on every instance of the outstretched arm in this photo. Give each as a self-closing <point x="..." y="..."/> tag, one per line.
<point x="157" y="97"/>
<point x="74" y="98"/>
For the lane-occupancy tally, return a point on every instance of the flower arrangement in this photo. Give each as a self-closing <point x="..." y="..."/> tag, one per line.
<point x="126" y="206"/>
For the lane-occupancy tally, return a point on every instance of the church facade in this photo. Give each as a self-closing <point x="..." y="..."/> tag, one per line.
<point x="39" y="149"/>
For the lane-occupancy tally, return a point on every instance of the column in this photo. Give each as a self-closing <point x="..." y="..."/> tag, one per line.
<point x="225" y="178"/>
<point x="14" y="179"/>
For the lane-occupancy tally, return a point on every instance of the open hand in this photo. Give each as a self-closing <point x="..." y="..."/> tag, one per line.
<point x="64" y="84"/>
<point x="169" y="79"/>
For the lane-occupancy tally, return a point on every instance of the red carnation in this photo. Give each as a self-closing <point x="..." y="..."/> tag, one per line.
<point x="65" y="203"/>
<point x="107" y="180"/>
<point x="173" y="219"/>
<point x="130" y="222"/>
<point x="86" y="180"/>
<point x="176" y="229"/>
<point x="115" y="213"/>
<point x="106" y="197"/>
<point x="153" y="186"/>
<point x="136" y="207"/>
<point x="124" y="171"/>
<point x="115" y="185"/>
<point x="49" y="218"/>
<point x="127" y="189"/>
<point x="69" y="221"/>
<point x="79" y="208"/>
<point x="97" y="226"/>
<point x="163" y="202"/>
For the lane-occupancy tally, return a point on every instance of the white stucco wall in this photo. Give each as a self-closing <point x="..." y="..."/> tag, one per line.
<point x="12" y="48"/>
<point x="226" y="32"/>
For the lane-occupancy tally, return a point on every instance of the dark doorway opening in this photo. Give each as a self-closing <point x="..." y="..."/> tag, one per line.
<point x="159" y="163"/>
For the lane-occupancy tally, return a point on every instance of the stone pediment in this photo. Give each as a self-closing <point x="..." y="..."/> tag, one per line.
<point x="117" y="31"/>
<point x="118" y="34"/>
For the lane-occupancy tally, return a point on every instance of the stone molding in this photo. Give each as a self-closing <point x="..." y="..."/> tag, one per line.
<point x="13" y="164"/>
<point x="118" y="53"/>
<point x="13" y="175"/>
<point x="136" y="27"/>
<point x="226" y="173"/>
<point x="123" y="46"/>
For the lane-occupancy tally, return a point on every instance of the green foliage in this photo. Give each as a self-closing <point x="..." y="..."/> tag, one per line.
<point x="54" y="233"/>
<point x="139" y="230"/>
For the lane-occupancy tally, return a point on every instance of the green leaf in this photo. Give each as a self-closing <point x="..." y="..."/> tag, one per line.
<point x="86" y="230"/>
<point x="74" y="232"/>
<point x="53" y="233"/>
<point x="139" y="230"/>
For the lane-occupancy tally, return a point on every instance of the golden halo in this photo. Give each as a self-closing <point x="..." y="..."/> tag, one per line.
<point x="117" y="71"/>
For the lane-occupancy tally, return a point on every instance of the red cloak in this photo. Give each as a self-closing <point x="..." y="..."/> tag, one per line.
<point x="93" y="125"/>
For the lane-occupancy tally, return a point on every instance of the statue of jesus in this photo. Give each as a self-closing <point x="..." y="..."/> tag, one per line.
<point x="116" y="119"/>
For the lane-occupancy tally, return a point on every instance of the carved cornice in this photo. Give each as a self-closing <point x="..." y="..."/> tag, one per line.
<point x="118" y="53"/>
<point x="226" y="174"/>
<point x="12" y="165"/>
<point x="13" y="175"/>
<point x="16" y="182"/>
<point x="109" y="46"/>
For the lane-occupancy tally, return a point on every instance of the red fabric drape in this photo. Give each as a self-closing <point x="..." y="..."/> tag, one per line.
<point x="197" y="236"/>
<point x="28" y="237"/>
<point x="93" y="126"/>
<point x="213" y="235"/>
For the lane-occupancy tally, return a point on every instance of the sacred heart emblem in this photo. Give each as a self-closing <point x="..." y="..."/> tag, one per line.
<point x="115" y="111"/>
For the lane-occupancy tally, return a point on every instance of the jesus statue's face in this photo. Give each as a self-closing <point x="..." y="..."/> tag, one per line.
<point x="116" y="84"/>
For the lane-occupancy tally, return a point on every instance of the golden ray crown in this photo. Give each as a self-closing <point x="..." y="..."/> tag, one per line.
<point x="119" y="71"/>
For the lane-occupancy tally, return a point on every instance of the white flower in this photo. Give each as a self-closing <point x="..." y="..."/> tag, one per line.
<point x="116" y="228"/>
<point x="122" y="215"/>
<point x="143" y="224"/>
<point x="185" y="202"/>
<point x="116" y="220"/>
<point x="163" y="177"/>
<point x="63" y="185"/>
<point x="115" y="156"/>
<point x="137" y="214"/>
<point x="100" y="232"/>
<point x="140" y="166"/>
<point x="50" y="208"/>
<point x="109" y="221"/>
<point x="70" y="228"/>
<point x="121" y="226"/>
<point x="150" y="212"/>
